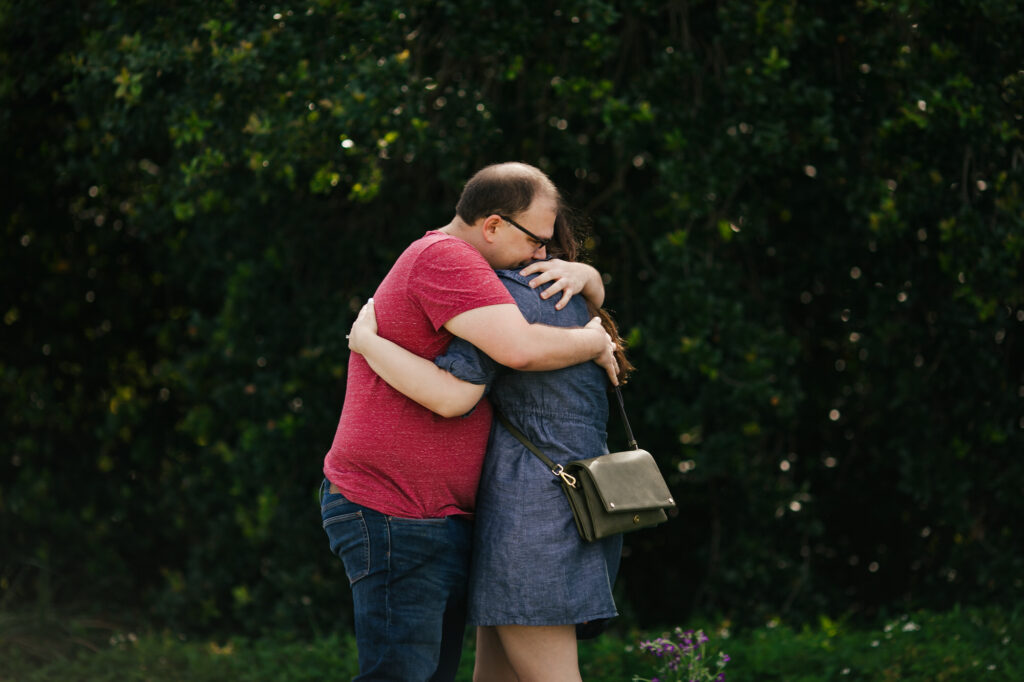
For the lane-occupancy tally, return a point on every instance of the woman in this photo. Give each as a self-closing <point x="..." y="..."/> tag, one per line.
<point x="533" y="580"/>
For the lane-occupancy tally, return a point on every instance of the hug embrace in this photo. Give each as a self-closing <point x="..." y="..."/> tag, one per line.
<point x="482" y="351"/>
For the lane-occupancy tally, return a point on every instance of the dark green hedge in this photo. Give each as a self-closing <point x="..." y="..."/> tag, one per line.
<point x="810" y="216"/>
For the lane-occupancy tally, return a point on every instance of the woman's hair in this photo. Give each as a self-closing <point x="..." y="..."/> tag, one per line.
<point x="625" y="366"/>
<point x="565" y="244"/>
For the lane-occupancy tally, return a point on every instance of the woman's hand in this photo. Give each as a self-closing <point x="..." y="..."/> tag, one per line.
<point x="569" y="277"/>
<point x="363" y="329"/>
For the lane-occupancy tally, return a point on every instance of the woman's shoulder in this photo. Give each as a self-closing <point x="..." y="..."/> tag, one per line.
<point x="513" y="278"/>
<point x="527" y="298"/>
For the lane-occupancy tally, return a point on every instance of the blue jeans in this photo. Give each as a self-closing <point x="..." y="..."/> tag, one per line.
<point x="408" y="580"/>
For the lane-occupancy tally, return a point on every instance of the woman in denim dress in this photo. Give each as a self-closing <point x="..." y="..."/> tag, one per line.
<point x="535" y="585"/>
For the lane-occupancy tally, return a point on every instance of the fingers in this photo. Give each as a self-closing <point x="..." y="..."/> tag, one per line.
<point x="611" y="367"/>
<point x="563" y="277"/>
<point x="364" y="325"/>
<point x="563" y="285"/>
<point x="567" y="294"/>
<point x="531" y="268"/>
<point x="606" y="359"/>
<point x="540" y="266"/>
<point x="613" y="373"/>
<point x="545" y="277"/>
<point x="364" y="315"/>
<point x="550" y="270"/>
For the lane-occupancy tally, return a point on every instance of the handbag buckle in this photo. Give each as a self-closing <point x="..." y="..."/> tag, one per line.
<point x="568" y="478"/>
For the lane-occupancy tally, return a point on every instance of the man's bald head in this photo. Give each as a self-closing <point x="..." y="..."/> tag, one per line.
<point x="504" y="189"/>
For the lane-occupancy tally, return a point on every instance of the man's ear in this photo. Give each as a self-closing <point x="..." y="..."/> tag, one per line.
<point x="489" y="228"/>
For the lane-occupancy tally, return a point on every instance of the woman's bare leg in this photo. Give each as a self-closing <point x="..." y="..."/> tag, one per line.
<point x="541" y="653"/>
<point x="491" y="664"/>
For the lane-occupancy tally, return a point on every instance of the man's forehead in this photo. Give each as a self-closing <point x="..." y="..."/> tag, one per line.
<point x="544" y="202"/>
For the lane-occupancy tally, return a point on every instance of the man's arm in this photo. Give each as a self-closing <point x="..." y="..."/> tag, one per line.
<point x="503" y="333"/>
<point x="417" y="378"/>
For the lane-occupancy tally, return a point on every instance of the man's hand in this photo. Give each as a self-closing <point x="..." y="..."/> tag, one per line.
<point x="363" y="328"/>
<point x="568" y="277"/>
<point x="606" y="359"/>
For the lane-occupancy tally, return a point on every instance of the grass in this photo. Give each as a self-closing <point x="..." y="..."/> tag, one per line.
<point x="969" y="644"/>
<point x="973" y="644"/>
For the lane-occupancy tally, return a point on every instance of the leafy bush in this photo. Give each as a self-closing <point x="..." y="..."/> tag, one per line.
<point x="809" y="215"/>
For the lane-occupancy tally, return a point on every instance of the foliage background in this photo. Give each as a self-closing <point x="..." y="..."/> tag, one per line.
<point x="810" y="217"/>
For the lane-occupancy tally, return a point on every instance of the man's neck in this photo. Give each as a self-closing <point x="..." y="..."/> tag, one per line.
<point x="459" y="229"/>
<point x="456" y="228"/>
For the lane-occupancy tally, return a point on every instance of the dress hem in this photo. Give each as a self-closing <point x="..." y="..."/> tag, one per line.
<point x="520" y="620"/>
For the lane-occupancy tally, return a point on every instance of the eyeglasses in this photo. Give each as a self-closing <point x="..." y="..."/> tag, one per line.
<point x="531" y="235"/>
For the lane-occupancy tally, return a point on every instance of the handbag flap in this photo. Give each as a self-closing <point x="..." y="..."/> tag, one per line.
<point x="626" y="481"/>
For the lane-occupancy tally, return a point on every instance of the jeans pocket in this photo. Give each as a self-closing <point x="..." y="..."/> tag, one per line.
<point x="350" y="540"/>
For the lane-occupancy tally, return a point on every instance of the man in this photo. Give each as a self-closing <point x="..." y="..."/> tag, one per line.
<point x="401" y="481"/>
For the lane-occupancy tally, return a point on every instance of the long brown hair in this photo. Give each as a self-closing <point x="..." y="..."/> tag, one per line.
<point x="565" y="244"/>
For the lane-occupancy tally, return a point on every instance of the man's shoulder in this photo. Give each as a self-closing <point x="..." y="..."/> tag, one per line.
<point x="439" y="244"/>
<point x="439" y="254"/>
<point x="436" y="251"/>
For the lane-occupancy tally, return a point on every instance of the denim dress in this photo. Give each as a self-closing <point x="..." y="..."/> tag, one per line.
<point x="529" y="565"/>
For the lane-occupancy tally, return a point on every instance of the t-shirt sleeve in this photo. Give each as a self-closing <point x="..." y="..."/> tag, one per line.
<point x="451" y="277"/>
<point x="467" y="362"/>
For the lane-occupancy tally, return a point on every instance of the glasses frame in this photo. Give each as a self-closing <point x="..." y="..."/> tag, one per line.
<point x="543" y="242"/>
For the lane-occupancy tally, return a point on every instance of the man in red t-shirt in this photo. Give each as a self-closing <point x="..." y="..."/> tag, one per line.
<point x="400" y="480"/>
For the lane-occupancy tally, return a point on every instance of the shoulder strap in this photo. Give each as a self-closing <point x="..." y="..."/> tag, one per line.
<point x="556" y="469"/>
<point x="525" y="441"/>
<point x="625" y="420"/>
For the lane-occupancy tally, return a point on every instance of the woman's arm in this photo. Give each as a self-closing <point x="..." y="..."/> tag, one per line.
<point x="569" y="277"/>
<point x="417" y="378"/>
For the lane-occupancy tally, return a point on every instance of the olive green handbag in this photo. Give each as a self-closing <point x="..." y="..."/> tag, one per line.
<point x="608" y="494"/>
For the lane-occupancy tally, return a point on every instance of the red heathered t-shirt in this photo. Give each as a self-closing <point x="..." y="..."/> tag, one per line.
<point x="390" y="453"/>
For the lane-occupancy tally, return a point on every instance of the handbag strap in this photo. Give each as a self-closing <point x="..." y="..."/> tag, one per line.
<point x="526" y="441"/>
<point x="625" y="420"/>
<point x="557" y="469"/>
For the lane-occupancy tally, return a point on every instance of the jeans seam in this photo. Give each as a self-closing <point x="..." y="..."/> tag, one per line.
<point x="390" y="574"/>
<point x="365" y="563"/>
<point x="366" y="547"/>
